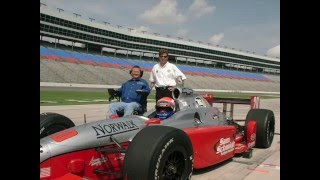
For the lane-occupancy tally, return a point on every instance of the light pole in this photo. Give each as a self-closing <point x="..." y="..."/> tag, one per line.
<point x="60" y="9"/>
<point x="91" y="19"/>
<point x="77" y="14"/>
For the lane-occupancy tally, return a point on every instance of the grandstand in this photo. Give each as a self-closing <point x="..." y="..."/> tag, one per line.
<point x="76" y="50"/>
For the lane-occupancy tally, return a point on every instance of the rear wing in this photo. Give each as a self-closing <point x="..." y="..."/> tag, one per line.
<point x="254" y="102"/>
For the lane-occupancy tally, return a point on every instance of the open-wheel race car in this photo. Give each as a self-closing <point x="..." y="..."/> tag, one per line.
<point x="145" y="147"/>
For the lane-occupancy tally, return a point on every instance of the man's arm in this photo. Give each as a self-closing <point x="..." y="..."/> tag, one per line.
<point x="152" y="78"/>
<point x="146" y="87"/>
<point x="179" y="73"/>
<point x="122" y="89"/>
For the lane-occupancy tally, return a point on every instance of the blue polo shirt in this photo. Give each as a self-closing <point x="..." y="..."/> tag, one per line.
<point x="128" y="90"/>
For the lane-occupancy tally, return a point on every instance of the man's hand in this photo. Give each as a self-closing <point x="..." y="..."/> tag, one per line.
<point x="143" y="92"/>
<point x="179" y="80"/>
<point x="152" y="85"/>
<point x="171" y="88"/>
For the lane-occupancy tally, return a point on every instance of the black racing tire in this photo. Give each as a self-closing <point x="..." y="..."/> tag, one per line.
<point x="52" y="122"/>
<point x="159" y="152"/>
<point x="265" y="121"/>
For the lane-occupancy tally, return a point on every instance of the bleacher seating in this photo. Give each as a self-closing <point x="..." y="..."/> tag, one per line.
<point x="59" y="65"/>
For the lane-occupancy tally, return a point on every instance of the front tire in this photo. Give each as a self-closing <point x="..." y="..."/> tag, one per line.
<point x="265" y="126"/>
<point x="159" y="153"/>
<point x="52" y="122"/>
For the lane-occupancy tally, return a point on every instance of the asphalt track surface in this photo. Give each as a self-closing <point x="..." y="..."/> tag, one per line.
<point x="264" y="164"/>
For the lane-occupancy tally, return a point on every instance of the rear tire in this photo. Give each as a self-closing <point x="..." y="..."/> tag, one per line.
<point x="159" y="153"/>
<point x="265" y="126"/>
<point x="52" y="122"/>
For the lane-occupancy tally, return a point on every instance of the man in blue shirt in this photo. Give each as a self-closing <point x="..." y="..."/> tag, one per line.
<point x="131" y="99"/>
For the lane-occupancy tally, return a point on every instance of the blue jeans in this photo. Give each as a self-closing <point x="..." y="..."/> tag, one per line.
<point x="127" y="107"/>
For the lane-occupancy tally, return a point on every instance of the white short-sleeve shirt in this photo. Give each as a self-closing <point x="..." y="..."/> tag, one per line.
<point x="165" y="75"/>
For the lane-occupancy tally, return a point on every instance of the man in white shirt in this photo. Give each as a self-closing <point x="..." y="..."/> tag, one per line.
<point x="164" y="76"/>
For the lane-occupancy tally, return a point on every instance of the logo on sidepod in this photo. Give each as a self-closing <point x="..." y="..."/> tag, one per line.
<point x="103" y="130"/>
<point x="224" y="146"/>
<point x="98" y="161"/>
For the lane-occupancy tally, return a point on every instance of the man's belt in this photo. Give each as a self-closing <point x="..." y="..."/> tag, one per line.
<point x="162" y="87"/>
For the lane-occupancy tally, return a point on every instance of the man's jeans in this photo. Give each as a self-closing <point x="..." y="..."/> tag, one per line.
<point x="127" y="107"/>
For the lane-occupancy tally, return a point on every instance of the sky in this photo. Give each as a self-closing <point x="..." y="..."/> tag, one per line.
<point x="246" y="25"/>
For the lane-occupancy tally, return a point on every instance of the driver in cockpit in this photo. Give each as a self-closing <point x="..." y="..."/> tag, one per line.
<point x="165" y="108"/>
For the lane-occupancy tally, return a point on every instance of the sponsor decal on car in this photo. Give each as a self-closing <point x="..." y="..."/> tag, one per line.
<point x="45" y="172"/>
<point x="121" y="157"/>
<point x="224" y="146"/>
<point x="215" y="116"/>
<point x="200" y="102"/>
<point x="156" y="176"/>
<point x="63" y="135"/>
<point x="97" y="161"/>
<point x="252" y="140"/>
<point x="184" y="103"/>
<point x="214" y="113"/>
<point x="103" y="130"/>
<point x="240" y="147"/>
<point x="192" y="160"/>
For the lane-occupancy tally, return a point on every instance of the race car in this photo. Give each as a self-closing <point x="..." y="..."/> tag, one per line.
<point x="144" y="146"/>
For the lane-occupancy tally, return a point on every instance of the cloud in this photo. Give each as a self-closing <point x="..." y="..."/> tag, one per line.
<point x="182" y="32"/>
<point x="201" y="7"/>
<point x="258" y="37"/>
<point x="215" y="39"/>
<point x="163" y="13"/>
<point x="274" y="52"/>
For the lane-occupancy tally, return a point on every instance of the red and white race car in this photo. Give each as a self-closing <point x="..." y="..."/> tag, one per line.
<point x="144" y="147"/>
